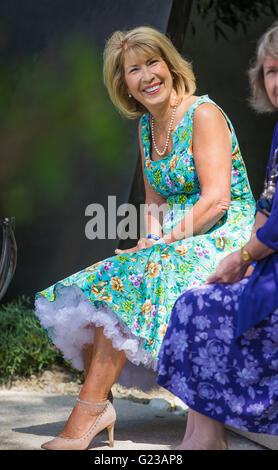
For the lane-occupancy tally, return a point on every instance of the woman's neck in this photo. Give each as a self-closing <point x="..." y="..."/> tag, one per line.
<point x="163" y="113"/>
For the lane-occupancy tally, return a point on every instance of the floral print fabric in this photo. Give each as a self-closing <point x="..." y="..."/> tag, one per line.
<point x="232" y="381"/>
<point x="141" y="288"/>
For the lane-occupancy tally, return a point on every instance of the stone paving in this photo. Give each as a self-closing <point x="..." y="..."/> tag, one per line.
<point x="27" y="419"/>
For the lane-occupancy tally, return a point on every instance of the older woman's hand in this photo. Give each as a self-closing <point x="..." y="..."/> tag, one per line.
<point x="230" y="270"/>
<point x="141" y="244"/>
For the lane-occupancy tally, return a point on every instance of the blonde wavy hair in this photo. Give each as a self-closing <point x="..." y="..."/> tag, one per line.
<point x="147" y="40"/>
<point x="267" y="47"/>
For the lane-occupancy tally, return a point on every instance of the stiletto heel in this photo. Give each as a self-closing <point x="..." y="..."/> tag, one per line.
<point x="110" y="429"/>
<point x="110" y="396"/>
<point x="106" y="419"/>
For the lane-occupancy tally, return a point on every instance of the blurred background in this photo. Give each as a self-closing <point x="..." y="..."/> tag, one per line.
<point x="64" y="146"/>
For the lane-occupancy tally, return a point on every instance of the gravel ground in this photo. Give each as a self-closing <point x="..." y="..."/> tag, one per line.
<point x="59" y="380"/>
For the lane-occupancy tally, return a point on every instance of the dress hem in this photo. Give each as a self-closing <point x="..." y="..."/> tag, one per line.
<point x="69" y="321"/>
<point x="201" y="411"/>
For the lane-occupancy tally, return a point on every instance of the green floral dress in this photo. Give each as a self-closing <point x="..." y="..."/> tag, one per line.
<point x="132" y="295"/>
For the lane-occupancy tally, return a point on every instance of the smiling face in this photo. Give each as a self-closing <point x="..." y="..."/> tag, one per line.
<point x="270" y="70"/>
<point x="147" y="78"/>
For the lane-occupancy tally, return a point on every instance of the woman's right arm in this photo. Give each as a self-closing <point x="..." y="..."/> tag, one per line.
<point x="154" y="209"/>
<point x="155" y="204"/>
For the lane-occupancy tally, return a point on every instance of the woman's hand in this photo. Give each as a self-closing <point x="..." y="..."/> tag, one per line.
<point x="230" y="270"/>
<point x="141" y="244"/>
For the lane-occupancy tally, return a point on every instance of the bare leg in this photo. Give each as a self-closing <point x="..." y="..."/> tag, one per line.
<point x="189" y="429"/>
<point x="88" y="351"/>
<point x="87" y="357"/>
<point x="104" y="369"/>
<point x="208" y="434"/>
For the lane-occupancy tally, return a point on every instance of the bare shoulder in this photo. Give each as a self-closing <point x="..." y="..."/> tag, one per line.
<point x="208" y="113"/>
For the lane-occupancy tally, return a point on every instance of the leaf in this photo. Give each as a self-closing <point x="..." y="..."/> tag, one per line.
<point x="234" y="13"/>
<point x="24" y="346"/>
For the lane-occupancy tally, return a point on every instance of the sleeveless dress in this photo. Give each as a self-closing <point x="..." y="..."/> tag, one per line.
<point x="132" y="294"/>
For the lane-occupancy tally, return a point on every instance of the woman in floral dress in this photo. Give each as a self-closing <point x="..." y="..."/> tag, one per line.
<point x="220" y="351"/>
<point x="122" y="305"/>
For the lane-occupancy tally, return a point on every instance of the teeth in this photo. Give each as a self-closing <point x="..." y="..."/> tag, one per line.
<point x="152" y="89"/>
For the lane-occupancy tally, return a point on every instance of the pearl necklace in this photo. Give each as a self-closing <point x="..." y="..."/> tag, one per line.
<point x="168" y="133"/>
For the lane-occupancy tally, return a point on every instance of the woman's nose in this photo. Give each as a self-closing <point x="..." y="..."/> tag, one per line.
<point x="146" y="74"/>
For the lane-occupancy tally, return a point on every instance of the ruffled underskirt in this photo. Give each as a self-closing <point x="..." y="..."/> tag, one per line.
<point x="70" y="321"/>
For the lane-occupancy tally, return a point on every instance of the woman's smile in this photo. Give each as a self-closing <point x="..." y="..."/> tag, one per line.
<point x="147" y="77"/>
<point x="154" y="88"/>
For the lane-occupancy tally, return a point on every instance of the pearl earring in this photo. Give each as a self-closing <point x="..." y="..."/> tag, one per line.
<point x="129" y="95"/>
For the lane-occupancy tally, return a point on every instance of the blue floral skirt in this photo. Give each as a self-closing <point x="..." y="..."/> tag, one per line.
<point x="232" y="381"/>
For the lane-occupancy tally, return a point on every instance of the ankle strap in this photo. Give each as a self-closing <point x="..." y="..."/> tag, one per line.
<point x="89" y="403"/>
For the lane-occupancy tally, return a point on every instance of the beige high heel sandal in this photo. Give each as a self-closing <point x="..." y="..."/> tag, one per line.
<point x="106" y="419"/>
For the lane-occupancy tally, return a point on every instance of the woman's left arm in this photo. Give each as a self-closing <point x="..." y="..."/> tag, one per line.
<point x="212" y="150"/>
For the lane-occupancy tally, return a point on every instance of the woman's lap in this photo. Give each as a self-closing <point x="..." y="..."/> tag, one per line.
<point x="200" y="361"/>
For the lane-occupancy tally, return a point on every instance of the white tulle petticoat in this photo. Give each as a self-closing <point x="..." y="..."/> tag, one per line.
<point x="70" y="321"/>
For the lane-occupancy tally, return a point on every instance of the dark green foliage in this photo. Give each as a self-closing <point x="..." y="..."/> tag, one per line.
<point x="234" y="13"/>
<point x="54" y="109"/>
<point x="24" y="346"/>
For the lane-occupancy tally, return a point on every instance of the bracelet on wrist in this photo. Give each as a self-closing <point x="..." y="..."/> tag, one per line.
<point x="245" y="255"/>
<point x="157" y="239"/>
<point x="153" y="236"/>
